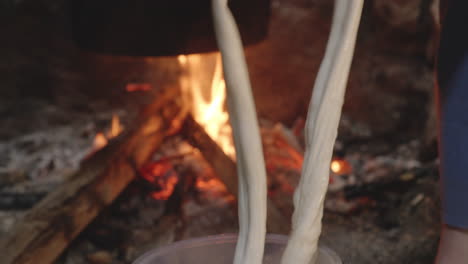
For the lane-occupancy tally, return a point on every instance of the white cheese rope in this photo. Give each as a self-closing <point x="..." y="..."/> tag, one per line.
<point x="249" y="153"/>
<point x="321" y="130"/>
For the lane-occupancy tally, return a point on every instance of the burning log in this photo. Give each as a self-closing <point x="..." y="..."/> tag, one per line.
<point x="53" y="223"/>
<point x="225" y="168"/>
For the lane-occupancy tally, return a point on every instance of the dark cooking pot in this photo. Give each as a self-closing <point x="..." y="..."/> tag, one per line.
<point x="160" y="28"/>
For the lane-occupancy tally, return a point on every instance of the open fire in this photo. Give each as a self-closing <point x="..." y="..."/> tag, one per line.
<point x="207" y="96"/>
<point x="204" y="90"/>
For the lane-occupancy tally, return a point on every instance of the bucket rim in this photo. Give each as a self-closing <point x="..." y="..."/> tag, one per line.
<point x="224" y="239"/>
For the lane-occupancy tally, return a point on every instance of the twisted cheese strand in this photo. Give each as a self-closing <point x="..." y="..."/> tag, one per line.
<point x="250" y="161"/>
<point x="321" y="130"/>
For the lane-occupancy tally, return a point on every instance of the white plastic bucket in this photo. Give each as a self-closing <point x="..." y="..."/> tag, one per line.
<point x="220" y="249"/>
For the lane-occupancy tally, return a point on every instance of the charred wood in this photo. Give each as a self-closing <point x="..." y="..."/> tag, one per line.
<point x="48" y="228"/>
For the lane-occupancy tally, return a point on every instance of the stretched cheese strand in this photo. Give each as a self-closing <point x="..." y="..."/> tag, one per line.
<point x="250" y="161"/>
<point x="321" y="130"/>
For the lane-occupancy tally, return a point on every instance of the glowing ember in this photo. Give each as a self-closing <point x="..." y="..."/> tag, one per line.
<point x="335" y="166"/>
<point x="162" y="176"/>
<point x="138" y="87"/>
<point x="211" y="184"/>
<point x="279" y="153"/>
<point x="340" y="167"/>
<point x="208" y="101"/>
<point x="167" y="190"/>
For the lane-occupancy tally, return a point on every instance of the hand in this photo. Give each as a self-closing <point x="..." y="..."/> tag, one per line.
<point x="453" y="246"/>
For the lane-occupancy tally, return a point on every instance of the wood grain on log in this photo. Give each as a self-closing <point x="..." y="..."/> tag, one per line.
<point x="51" y="225"/>
<point x="226" y="170"/>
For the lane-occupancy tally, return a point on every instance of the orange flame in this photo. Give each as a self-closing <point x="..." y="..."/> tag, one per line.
<point x="208" y="112"/>
<point x="116" y="127"/>
<point x="101" y="140"/>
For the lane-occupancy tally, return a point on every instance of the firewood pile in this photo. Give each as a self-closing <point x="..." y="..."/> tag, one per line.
<point x="164" y="179"/>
